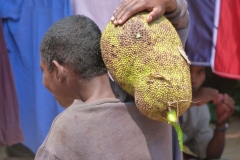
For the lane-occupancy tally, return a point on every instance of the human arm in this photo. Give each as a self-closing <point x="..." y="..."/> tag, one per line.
<point x="205" y="95"/>
<point x="174" y="10"/>
<point x="213" y="145"/>
<point x="225" y="108"/>
<point x="157" y="8"/>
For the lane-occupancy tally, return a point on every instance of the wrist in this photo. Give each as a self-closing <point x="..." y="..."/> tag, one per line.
<point x="222" y="127"/>
<point x="171" y="7"/>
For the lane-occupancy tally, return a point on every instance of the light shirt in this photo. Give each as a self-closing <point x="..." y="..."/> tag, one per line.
<point x="196" y="129"/>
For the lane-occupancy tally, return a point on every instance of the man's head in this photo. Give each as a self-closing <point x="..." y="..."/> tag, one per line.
<point x="198" y="76"/>
<point x="74" y="41"/>
<point x="70" y="53"/>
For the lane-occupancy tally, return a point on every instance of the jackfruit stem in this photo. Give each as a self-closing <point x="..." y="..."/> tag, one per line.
<point x="172" y="120"/>
<point x="179" y="133"/>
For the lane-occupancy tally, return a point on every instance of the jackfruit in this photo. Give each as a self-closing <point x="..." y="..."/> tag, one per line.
<point x="148" y="61"/>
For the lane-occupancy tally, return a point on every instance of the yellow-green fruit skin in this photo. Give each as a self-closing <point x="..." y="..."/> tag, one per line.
<point x="145" y="60"/>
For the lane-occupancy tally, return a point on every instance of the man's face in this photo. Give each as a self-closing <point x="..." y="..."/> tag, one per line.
<point x="50" y="81"/>
<point x="198" y="75"/>
<point x="61" y="88"/>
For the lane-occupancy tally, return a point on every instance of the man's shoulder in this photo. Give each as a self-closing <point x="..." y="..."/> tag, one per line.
<point x="101" y="102"/>
<point x="80" y="110"/>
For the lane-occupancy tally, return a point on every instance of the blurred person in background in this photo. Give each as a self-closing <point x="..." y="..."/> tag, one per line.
<point x="199" y="137"/>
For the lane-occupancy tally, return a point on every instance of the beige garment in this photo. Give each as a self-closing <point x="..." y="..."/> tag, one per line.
<point x="108" y="129"/>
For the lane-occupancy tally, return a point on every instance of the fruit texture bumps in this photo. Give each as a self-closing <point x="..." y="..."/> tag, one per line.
<point x="148" y="62"/>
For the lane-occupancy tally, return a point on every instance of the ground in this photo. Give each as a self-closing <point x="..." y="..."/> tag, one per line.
<point x="232" y="148"/>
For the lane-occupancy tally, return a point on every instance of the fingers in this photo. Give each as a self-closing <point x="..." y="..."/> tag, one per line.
<point x="126" y="9"/>
<point x="155" y="13"/>
<point x="212" y="94"/>
<point x="215" y="96"/>
<point x="226" y="105"/>
<point x="206" y="94"/>
<point x="222" y="119"/>
<point x="228" y="100"/>
<point x="218" y="99"/>
<point x="224" y="110"/>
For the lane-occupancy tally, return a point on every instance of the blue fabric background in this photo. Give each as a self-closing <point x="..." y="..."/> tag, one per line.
<point x="24" y="24"/>
<point x="199" y="43"/>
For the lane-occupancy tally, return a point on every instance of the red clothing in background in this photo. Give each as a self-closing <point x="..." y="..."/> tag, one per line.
<point x="10" y="132"/>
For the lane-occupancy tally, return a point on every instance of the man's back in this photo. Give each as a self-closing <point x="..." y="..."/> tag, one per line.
<point x="108" y="129"/>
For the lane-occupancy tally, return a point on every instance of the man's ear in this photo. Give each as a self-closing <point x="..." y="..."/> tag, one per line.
<point x="59" y="71"/>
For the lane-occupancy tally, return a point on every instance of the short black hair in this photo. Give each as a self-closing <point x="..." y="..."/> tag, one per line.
<point x="74" y="41"/>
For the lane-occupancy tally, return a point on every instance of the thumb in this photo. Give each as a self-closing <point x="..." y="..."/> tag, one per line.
<point x="220" y="98"/>
<point x="155" y="13"/>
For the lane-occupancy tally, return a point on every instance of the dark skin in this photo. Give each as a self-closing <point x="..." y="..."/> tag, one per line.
<point x="66" y="86"/>
<point x="157" y="8"/>
<point x="224" y="109"/>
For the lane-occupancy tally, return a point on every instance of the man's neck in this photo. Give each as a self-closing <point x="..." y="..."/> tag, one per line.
<point x="95" y="89"/>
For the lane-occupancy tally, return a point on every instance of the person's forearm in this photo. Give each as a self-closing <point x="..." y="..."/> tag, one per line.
<point x="179" y="16"/>
<point x="171" y="7"/>
<point x="216" y="145"/>
<point x="180" y="19"/>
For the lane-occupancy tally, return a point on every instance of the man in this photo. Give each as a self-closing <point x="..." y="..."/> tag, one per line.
<point x="100" y="126"/>
<point x="200" y="138"/>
